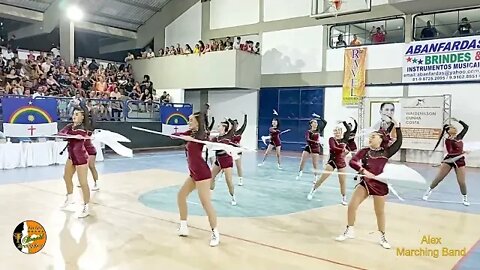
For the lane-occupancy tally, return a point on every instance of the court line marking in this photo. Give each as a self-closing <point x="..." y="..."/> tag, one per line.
<point x="205" y="230"/>
<point x="460" y="262"/>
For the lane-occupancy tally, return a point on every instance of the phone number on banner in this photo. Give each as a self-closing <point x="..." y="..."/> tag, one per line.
<point x="447" y="76"/>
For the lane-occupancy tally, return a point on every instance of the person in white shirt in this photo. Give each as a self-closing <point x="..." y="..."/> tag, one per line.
<point x="46" y="66"/>
<point x="238" y="43"/>
<point x="150" y="53"/>
<point x="9" y="55"/>
<point x="55" y="51"/>
<point x="129" y="57"/>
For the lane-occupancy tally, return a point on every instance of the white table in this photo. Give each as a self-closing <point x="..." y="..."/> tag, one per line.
<point x="34" y="154"/>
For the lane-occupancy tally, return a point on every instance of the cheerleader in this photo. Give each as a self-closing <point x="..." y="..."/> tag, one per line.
<point x="351" y="145"/>
<point x="275" y="142"/>
<point x="224" y="162"/>
<point x="336" y="160"/>
<point x="209" y="128"/>
<point x="92" y="155"/>
<point x="237" y="137"/>
<point x="369" y="162"/>
<point x="199" y="178"/>
<point x="77" y="158"/>
<point x="313" y="147"/>
<point x="454" y="146"/>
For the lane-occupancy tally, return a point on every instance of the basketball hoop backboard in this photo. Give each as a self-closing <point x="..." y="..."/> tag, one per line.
<point x="330" y="8"/>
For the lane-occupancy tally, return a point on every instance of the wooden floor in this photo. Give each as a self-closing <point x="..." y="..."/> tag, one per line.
<point x="124" y="232"/>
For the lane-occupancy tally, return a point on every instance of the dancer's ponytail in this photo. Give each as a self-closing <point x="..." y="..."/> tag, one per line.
<point x="444" y="130"/>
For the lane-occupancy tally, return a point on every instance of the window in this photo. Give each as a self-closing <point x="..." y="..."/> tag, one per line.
<point x="447" y="24"/>
<point x="367" y="33"/>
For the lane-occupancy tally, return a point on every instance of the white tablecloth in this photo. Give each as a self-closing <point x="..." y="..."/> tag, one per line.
<point x="33" y="154"/>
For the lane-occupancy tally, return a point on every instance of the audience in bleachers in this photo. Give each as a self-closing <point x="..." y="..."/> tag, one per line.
<point x="104" y="88"/>
<point x="200" y="48"/>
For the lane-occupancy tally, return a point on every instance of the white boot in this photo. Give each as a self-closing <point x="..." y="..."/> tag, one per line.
<point x="348" y="234"/>
<point x="300" y="173"/>
<point x="427" y="194"/>
<point x="240" y="181"/>
<point x="383" y="242"/>
<point x="234" y="202"/>
<point x="183" y="228"/>
<point x="68" y="201"/>
<point x="84" y="211"/>
<point x="465" y="200"/>
<point x="344" y="200"/>
<point x="95" y="186"/>
<point x="310" y="195"/>
<point x="215" y="238"/>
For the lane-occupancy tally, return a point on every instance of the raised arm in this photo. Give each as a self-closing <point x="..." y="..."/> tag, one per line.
<point x="322" y="125"/>
<point x="346" y="135"/>
<point x="393" y="149"/>
<point x="243" y="127"/>
<point x="211" y="125"/>
<point x="464" y="130"/>
<point x="354" y="131"/>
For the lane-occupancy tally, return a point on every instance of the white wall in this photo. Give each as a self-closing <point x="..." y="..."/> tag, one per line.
<point x="233" y="104"/>
<point x="379" y="2"/>
<point x="378" y="57"/>
<point x="285" y="9"/>
<point x="464" y="107"/>
<point x="292" y="51"/>
<point x="187" y="28"/>
<point x="193" y="97"/>
<point x="230" y="13"/>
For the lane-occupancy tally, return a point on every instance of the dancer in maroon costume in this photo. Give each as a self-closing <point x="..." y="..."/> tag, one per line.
<point x="77" y="158"/>
<point x="92" y="156"/>
<point x="313" y="147"/>
<point x="351" y="144"/>
<point x="237" y="137"/>
<point x="275" y="142"/>
<point x="370" y="162"/>
<point x="454" y="147"/>
<point x="200" y="177"/>
<point x="224" y="162"/>
<point x="336" y="161"/>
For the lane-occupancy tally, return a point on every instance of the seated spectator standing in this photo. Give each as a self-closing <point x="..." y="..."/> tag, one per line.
<point x="379" y="35"/>
<point x="340" y="42"/>
<point x="464" y="28"/>
<point x="355" y="41"/>
<point x="429" y="31"/>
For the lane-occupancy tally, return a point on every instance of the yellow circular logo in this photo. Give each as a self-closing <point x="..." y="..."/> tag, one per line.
<point x="29" y="237"/>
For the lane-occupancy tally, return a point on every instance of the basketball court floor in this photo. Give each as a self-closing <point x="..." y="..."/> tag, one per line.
<point x="134" y="218"/>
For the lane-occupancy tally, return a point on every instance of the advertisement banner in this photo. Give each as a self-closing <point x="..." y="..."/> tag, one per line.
<point x="354" y="76"/>
<point x="442" y="60"/>
<point x="421" y="118"/>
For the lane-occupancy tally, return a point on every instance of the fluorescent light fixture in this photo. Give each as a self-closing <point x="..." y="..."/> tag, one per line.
<point x="74" y="13"/>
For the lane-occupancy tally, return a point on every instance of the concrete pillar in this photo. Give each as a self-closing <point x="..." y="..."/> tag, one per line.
<point x="67" y="41"/>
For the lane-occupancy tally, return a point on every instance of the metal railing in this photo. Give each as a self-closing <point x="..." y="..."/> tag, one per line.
<point x="104" y="109"/>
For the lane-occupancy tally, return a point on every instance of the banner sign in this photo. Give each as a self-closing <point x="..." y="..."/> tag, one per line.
<point x="354" y="75"/>
<point x="442" y="60"/>
<point x="26" y="117"/>
<point x="421" y="118"/>
<point x="174" y="117"/>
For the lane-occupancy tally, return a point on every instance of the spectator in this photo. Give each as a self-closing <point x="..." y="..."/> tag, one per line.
<point x="55" y="51"/>
<point x="150" y="53"/>
<point x="188" y="49"/>
<point x="464" y="28"/>
<point x="202" y="46"/>
<point x="172" y="50"/>
<point x="340" y="42"/>
<point x="429" y="31"/>
<point x="167" y="51"/>
<point x="378" y="34"/>
<point x="229" y="46"/>
<point x="197" y="49"/>
<point x="237" y="45"/>
<point x="164" y="97"/>
<point x="10" y="55"/>
<point x="179" y="49"/>
<point x="31" y="56"/>
<point x="129" y="57"/>
<point x="355" y="41"/>
<point x="256" y="50"/>
<point x="161" y="53"/>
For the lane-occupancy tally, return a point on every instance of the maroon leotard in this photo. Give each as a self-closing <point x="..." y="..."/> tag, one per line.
<point x="76" y="147"/>
<point x="224" y="160"/>
<point x="454" y="147"/>
<point x="374" y="161"/>
<point x="91" y="150"/>
<point x="197" y="166"/>
<point x="313" y="146"/>
<point x="275" y="137"/>
<point x="337" y="150"/>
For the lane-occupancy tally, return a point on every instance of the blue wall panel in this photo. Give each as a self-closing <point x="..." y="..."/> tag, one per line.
<point x="295" y="106"/>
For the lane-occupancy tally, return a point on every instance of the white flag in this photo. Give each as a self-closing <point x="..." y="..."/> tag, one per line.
<point x="29" y="130"/>
<point x="170" y="129"/>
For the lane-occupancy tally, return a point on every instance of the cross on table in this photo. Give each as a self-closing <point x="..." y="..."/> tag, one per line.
<point x="176" y="129"/>
<point x="31" y="129"/>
